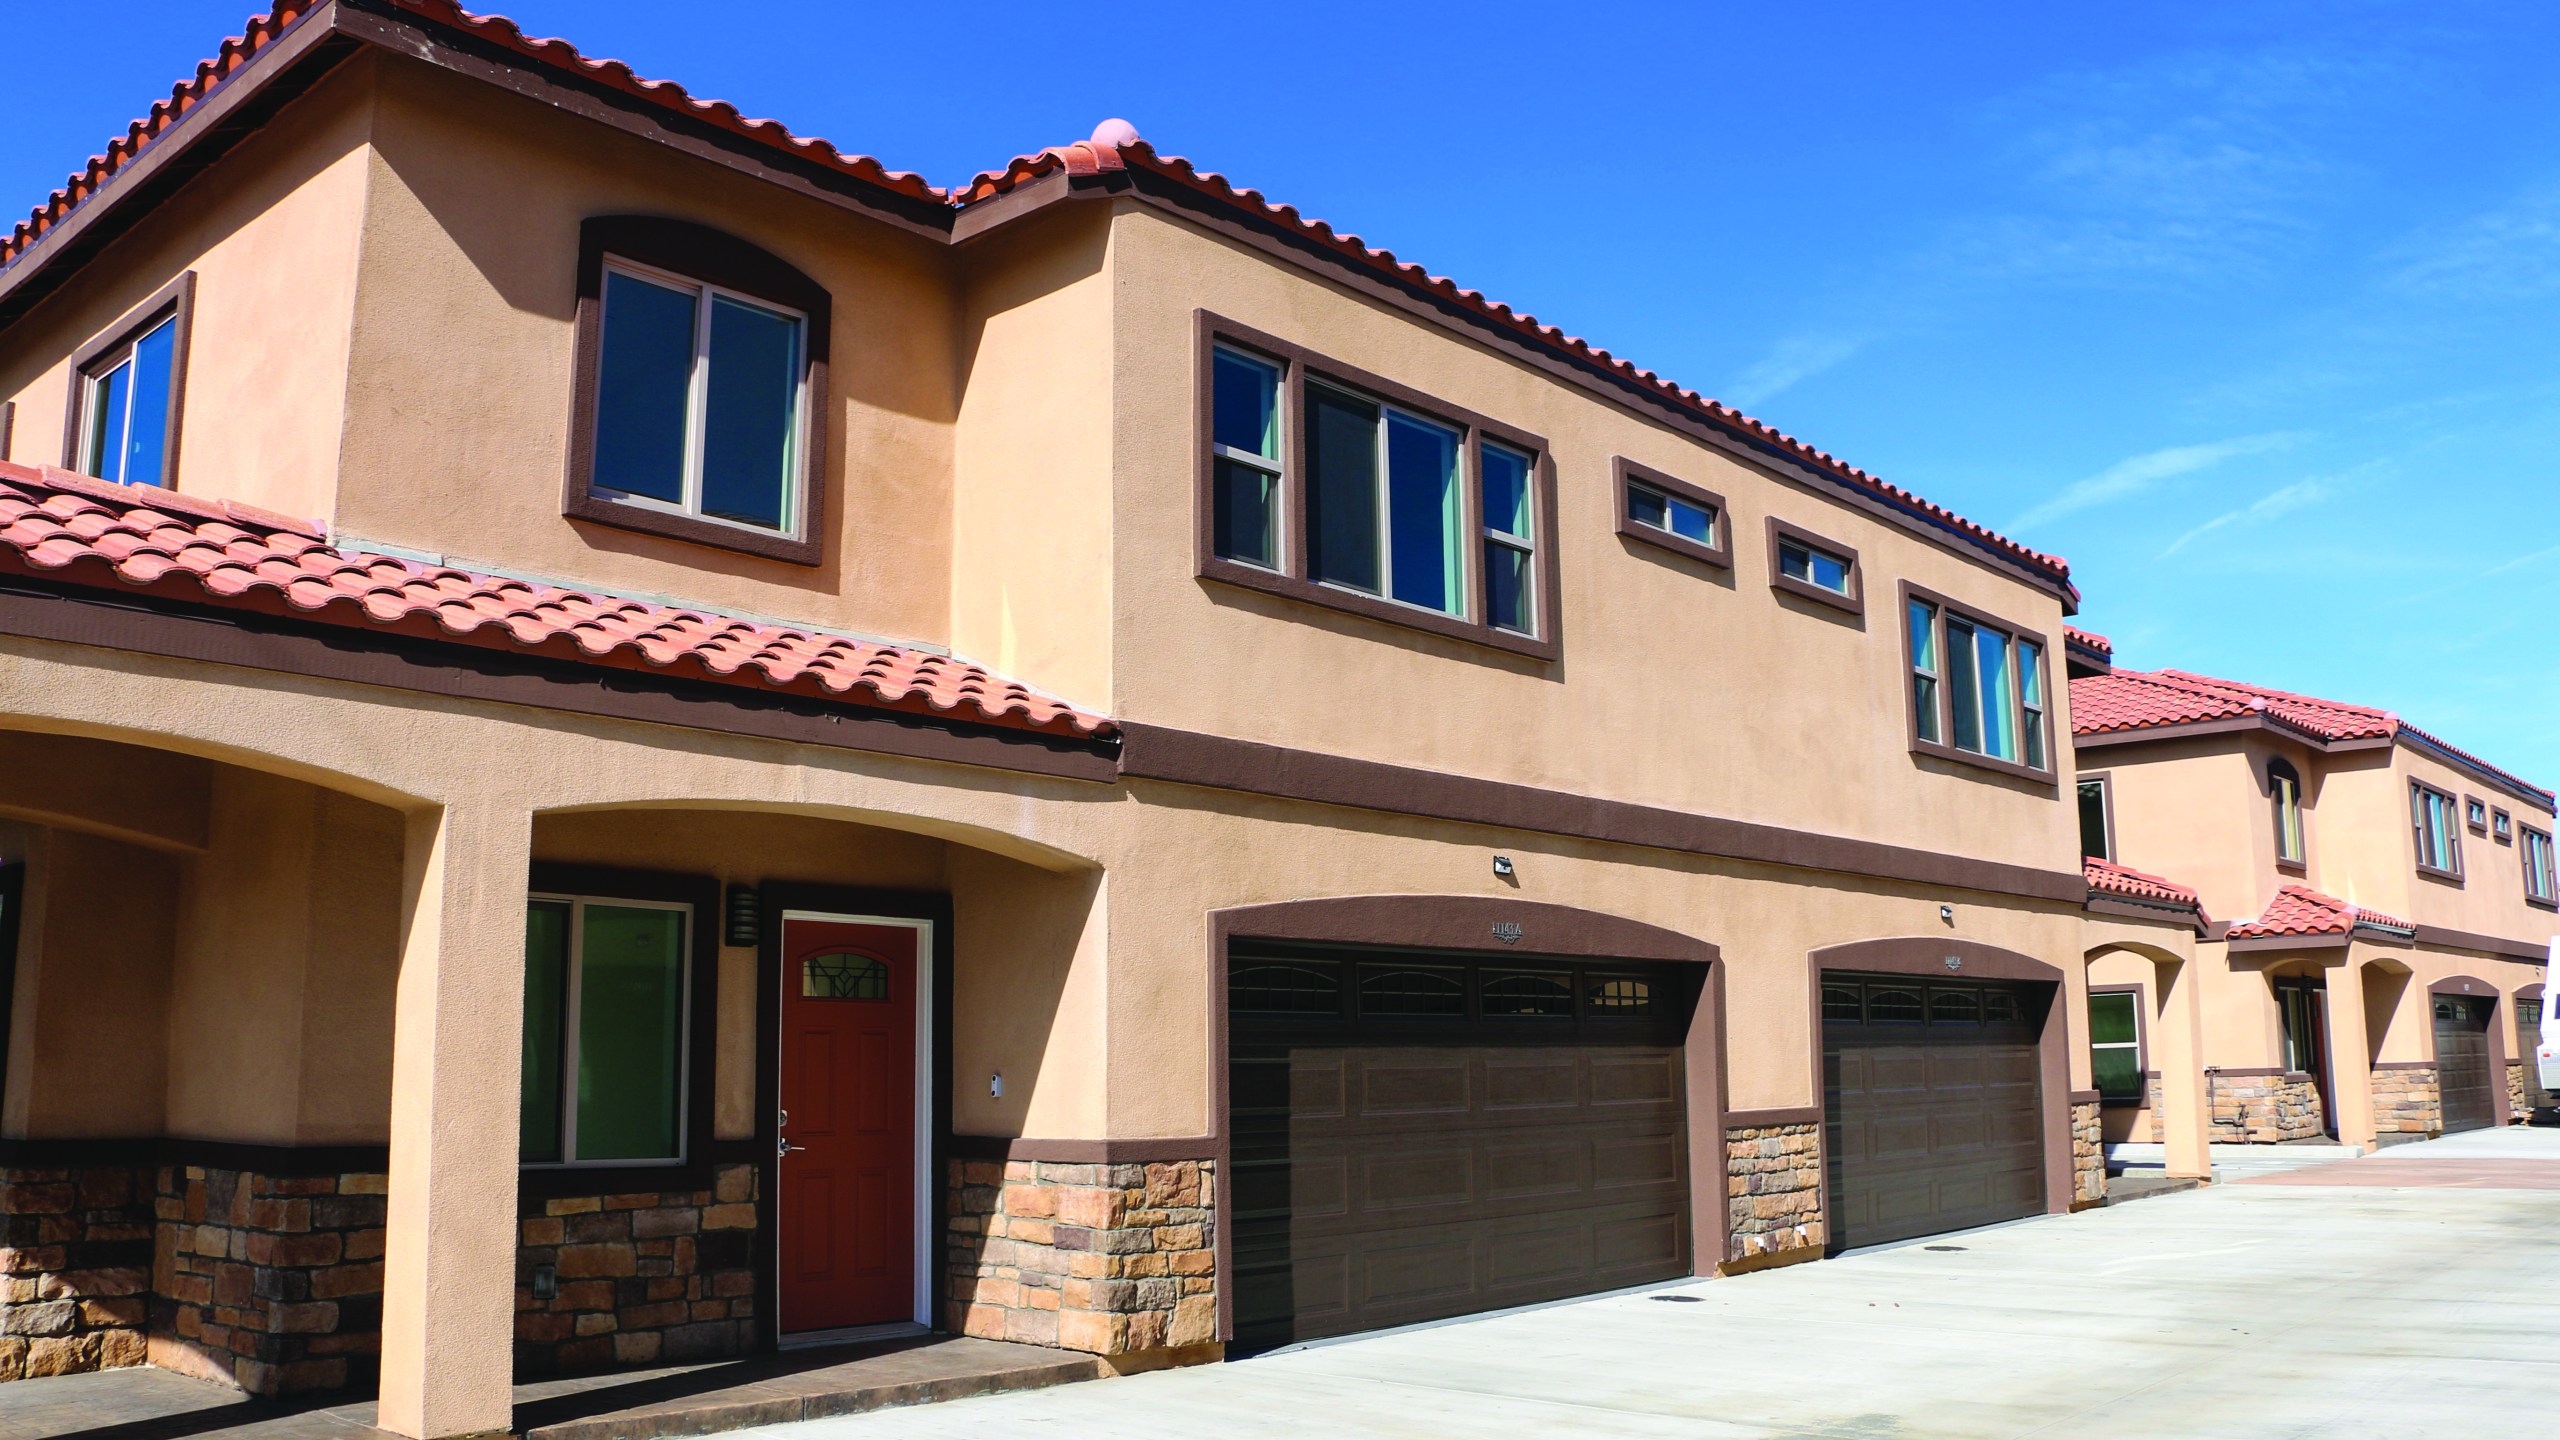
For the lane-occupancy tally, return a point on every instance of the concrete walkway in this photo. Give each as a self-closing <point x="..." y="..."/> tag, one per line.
<point x="2382" y="1308"/>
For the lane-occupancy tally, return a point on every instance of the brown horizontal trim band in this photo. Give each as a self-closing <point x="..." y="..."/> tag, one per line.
<point x="282" y="1160"/>
<point x="2240" y="1072"/>
<point x="2514" y="786"/>
<point x="2094" y="1097"/>
<point x="2253" y="944"/>
<point x="1783" y="1115"/>
<point x="2402" y="1065"/>
<point x="330" y="652"/>
<point x="1083" y="1152"/>
<point x="1184" y="757"/>
<point x="2439" y="937"/>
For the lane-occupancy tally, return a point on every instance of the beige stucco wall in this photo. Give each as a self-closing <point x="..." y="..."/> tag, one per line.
<point x="1677" y="688"/>
<point x="88" y="1051"/>
<point x="2196" y="812"/>
<point x="459" y="398"/>
<point x="272" y="236"/>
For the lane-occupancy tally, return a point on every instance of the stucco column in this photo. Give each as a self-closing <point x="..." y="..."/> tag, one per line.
<point x="449" y="1262"/>
<point x="2350" y="1056"/>
<point x="2186" y="1119"/>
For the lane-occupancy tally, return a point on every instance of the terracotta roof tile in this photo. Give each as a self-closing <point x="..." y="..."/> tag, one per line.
<point x="264" y="31"/>
<point x="2106" y="877"/>
<point x="2088" y="640"/>
<point x="1115" y="146"/>
<point x="78" y="530"/>
<point x="2299" y="910"/>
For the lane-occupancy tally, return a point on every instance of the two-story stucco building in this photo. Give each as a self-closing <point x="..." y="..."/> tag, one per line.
<point x="2371" y="908"/>
<point x="629" y="737"/>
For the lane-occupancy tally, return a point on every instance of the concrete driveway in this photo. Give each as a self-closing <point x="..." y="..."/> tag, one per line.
<point x="2420" y="1303"/>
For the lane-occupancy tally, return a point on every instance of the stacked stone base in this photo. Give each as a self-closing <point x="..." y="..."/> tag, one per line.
<point x="2263" y="1109"/>
<point x="637" y="1279"/>
<point x="2519" y="1092"/>
<point x="271" y="1283"/>
<point x="2406" y="1102"/>
<point x="1773" y="1189"/>
<point x="2088" y="1156"/>
<point x="75" y="1269"/>
<point x="1118" y="1261"/>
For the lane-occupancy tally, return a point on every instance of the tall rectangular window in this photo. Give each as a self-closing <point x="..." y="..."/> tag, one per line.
<point x="1347" y="491"/>
<point x="2096" y="834"/>
<point x="1510" y="540"/>
<point x="1921" y="626"/>
<point x="2541" y="878"/>
<point x="1978" y="688"/>
<point x="2437" y="831"/>
<point x="605" y="1015"/>
<point x="2284" y="790"/>
<point x="2115" y="1046"/>
<point x="1245" y="435"/>
<point x="700" y="400"/>
<point x="128" y="402"/>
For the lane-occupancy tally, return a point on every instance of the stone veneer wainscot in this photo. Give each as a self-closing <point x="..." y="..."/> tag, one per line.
<point x="2405" y="1100"/>
<point x="1118" y="1261"/>
<point x="2263" y="1109"/>
<point x="75" y="1268"/>
<point x="637" y="1279"/>
<point x="2088" y="1156"/>
<point x="1773" y="1189"/>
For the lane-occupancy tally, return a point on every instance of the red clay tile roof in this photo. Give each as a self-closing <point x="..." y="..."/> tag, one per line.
<point x="73" y="529"/>
<point x="2139" y="699"/>
<point x="1099" y="155"/>
<point x="2088" y="640"/>
<point x="1114" y="146"/>
<point x="263" y="31"/>
<point x="2299" y="910"/>
<point x="2106" y="877"/>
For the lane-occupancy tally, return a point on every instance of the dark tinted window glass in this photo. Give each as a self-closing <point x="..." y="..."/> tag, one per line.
<point x="2093" y="819"/>
<point x="2111" y="1019"/>
<point x="643" y="388"/>
<point x="1412" y="992"/>
<point x="751" y="418"/>
<point x="1954" y="1007"/>
<point x="1342" y="489"/>
<point x="1286" y="989"/>
<point x="1423" y="513"/>
<point x="2115" y="1072"/>
<point x="1999" y="1007"/>
<point x="1527" y="994"/>
<point x="546" y="991"/>
<point x="1506" y="587"/>
<point x="1840" y="1002"/>
<point x="146" y="442"/>
<point x="1613" y="997"/>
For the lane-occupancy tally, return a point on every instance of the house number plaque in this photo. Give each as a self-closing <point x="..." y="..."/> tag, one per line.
<point x="1507" y="931"/>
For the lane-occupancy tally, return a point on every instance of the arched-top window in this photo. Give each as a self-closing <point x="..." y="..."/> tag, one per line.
<point x="2284" y="793"/>
<point x="700" y="389"/>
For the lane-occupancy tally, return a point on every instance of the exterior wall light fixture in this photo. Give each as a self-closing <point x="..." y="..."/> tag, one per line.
<point x="742" y="917"/>
<point x="1502" y="866"/>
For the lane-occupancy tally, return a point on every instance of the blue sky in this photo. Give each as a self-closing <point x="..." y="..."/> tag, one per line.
<point x="2250" y="309"/>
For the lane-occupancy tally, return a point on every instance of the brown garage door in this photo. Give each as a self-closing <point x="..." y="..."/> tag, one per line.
<point x="2462" y="1063"/>
<point x="1417" y="1135"/>
<point x="1932" y="1105"/>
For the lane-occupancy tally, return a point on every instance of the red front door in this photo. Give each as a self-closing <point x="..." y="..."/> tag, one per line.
<point x="848" y="1189"/>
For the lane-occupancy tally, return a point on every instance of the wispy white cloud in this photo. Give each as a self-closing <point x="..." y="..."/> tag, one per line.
<point x="2138" y="473"/>
<point x="2299" y="495"/>
<point x="1797" y="358"/>
<point x="2507" y="254"/>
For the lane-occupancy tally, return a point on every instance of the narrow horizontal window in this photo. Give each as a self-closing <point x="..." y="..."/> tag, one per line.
<point x="1284" y="989"/>
<point x="1819" y="568"/>
<point x="1669" y="513"/>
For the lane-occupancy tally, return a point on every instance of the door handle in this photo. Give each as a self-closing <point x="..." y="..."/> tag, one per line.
<point x="782" y="1147"/>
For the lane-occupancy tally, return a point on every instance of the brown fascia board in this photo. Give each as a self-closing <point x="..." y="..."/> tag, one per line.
<point x="2437" y="937"/>
<point x="2478" y="770"/>
<point x="335" y="30"/>
<point x="2258" y="943"/>
<point x="2162" y="913"/>
<point x="2234" y="725"/>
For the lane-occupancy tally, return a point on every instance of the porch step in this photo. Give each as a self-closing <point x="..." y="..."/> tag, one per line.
<point x="778" y="1389"/>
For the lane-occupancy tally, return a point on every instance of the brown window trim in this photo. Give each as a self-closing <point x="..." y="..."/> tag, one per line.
<point x="2289" y="864"/>
<point x="1625" y="474"/>
<point x="2453" y="805"/>
<point x="1297" y="364"/>
<point x="2105" y="780"/>
<point x="2502" y="826"/>
<point x="178" y="298"/>
<point x="1854" y="603"/>
<point x="2141" y="1045"/>
<point x="696" y="252"/>
<point x="702" y="893"/>
<point x="2524" y="853"/>
<point x="8" y="425"/>
<point x="1907" y="592"/>
<point x="2471" y="803"/>
<point x="1296" y="367"/>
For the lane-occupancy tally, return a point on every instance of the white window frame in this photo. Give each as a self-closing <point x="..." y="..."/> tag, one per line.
<point x="1715" y="517"/>
<point x="1931" y="718"/>
<point x="795" y="500"/>
<point x="925" y="1238"/>
<point x="1468" y="581"/>
<point x="2141" y="1081"/>
<point x="1275" y="467"/>
<point x="571" y="1009"/>
<point x="1525" y="545"/>
<point x="93" y="380"/>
